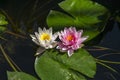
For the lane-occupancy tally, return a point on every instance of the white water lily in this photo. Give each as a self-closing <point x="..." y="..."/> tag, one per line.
<point x="45" y="38"/>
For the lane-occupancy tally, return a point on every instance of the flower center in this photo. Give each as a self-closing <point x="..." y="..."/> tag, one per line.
<point x="69" y="38"/>
<point x="45" y="36"/>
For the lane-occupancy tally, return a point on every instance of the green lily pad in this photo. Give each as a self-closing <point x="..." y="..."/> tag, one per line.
<point x="19" y="76"/>
<point x="54" y="65"/>
<point x="87" y="15"/>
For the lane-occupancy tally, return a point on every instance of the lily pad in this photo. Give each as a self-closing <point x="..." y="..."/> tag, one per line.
<point x="19" y="76"/>
<point x="87" y="15"/>
<point x="54" y="65"/>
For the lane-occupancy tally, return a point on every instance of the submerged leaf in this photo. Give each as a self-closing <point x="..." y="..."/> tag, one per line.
<point x="2" y="28"/>
<point x="53" y="65"/>
<point x="2" y="20"/>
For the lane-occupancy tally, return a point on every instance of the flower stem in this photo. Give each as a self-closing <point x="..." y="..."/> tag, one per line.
<point x="107" y="66"/>
<point x="3" y="38"/>
<point x="108" y="55"/>
<point x="104" y="48"/>
<point x="6" y="57"/>
<point x="105" y="61"/>
<point x="14" y="63"/>
<point x="14" y="34"/>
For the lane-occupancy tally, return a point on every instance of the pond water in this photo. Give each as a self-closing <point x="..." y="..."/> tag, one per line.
<point x="111" y="40"/>
<point x="24" y="56"/>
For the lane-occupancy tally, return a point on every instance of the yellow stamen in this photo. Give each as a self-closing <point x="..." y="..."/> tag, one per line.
<point x="69" y="38"/>
<point x="45" y="36"/>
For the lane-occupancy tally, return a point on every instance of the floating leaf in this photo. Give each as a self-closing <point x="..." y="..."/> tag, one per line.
<point x="54" y="65"/>
<point x="19" y="76"/>
<point x="86" y="15"/>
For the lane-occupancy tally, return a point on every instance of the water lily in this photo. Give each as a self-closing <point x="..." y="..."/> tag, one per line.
<point x="45" y="38"/>
<point x="71" y="40"/>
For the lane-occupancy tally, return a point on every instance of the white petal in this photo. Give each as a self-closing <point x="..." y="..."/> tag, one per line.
<point x="42" y="42"/>
<point x="80" y="32"/>
<point x="44" y="29"/>
<point x="45" y="43"/>
<point x="36" y="34"/>
<point x="58" y="47"/>
<point x="38" y="37"/>
<point x="84" y="38"/>
<point x="50" y="46"/>
<point x="55" y="36"/>
<point x="50" y="31"/>
<point x="64" y="49"/>
<point x="39" y="51"/>
<point x="70" y="53"/>
<point x="36" y="41"/>
<point x="32" y="36"/>
<point x="40" y="30"/>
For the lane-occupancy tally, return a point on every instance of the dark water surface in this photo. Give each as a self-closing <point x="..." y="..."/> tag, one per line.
<point x="24" y="58"/>
<point x="24" y="55"/>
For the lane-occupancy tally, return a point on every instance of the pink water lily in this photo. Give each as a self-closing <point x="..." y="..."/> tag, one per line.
<point x="71" y="40"/>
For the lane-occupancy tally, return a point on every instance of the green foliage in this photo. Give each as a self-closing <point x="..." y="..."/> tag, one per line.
<point x="3" y="22"/>
<point x="85" y="14"/>
<point x="2" y="28"/>
<point x="19" y="76"/>
<point x="54" y="65"/>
